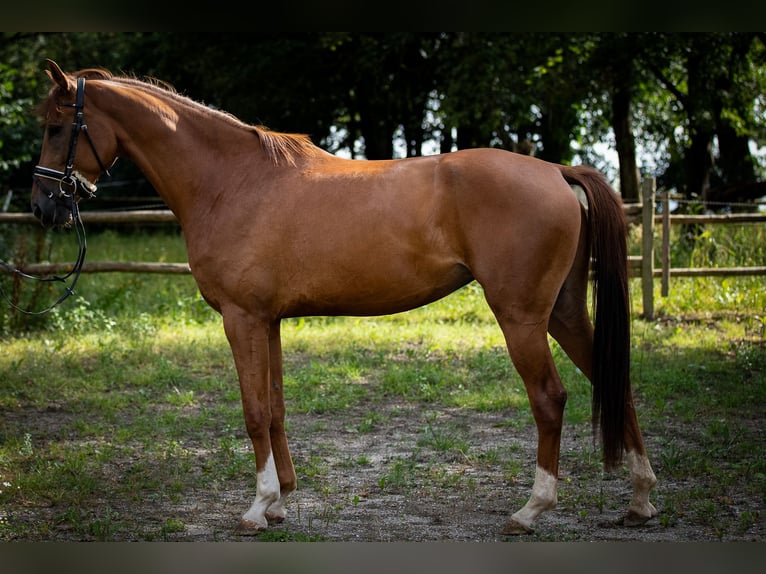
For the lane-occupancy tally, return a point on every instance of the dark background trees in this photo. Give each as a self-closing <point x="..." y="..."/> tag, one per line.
<point x="687" y="108"/>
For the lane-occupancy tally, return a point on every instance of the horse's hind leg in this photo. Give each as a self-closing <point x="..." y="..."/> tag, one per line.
<point x="528" y="346"/>
<point x="571" y="327"/>
<point x="642" y="476"/>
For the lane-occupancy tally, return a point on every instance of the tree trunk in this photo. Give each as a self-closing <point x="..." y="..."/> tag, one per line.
<point x="735" y="163"/>
<point x="556" y="125"/>
<point x="469" y="137"/>
<point x="697" y="163"/>
<point x="625" y="143"/>
<point x="377" y="134"/>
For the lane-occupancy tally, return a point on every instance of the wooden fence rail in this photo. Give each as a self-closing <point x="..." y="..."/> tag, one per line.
<point x="645" y="262"/>
<point x="641" y="266"/>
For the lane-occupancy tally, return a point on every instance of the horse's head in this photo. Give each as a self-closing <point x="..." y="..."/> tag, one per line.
<point x="67" y="171"/>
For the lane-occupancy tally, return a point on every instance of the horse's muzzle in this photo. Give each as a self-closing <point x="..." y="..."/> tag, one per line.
<point x="49" y="211"/>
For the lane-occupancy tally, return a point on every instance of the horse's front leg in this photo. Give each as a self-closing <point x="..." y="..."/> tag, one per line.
<point x="282" y="459"/>
<point x="249" y="339"/>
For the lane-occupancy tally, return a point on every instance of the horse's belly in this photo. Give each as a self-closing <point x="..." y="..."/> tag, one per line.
<point x="385" y="291"/>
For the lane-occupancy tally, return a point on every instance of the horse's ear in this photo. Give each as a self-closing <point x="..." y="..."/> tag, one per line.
<point x="56" y="75"/>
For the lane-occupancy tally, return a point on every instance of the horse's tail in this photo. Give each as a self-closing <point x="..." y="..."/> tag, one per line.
<point x="607" y="235"/>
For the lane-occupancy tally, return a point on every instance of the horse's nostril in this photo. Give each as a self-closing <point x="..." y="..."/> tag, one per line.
<point x="37" y="211"/>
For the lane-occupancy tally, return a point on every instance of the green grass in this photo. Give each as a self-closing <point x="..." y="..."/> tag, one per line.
<point x="135" y="371"/>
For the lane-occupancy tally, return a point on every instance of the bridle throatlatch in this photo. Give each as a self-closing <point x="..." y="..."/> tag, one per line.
<point x="70" y="184"/>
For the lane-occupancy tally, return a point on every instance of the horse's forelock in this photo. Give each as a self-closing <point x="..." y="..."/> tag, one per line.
<point x="50" y="107"/>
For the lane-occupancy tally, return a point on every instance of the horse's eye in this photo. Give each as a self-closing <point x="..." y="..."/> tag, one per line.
<point x="53" y="131"/>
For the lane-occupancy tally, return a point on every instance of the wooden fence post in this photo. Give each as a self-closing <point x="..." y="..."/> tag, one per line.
<point x="647" y="247"/>
<point x="665" y="243"/>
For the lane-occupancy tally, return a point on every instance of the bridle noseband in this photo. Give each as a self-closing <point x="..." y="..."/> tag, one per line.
<point x="70" y="181"/>
<point x="70" y="178"/>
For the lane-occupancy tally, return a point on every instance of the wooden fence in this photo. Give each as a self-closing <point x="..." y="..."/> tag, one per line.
<point x="641" y="266"/>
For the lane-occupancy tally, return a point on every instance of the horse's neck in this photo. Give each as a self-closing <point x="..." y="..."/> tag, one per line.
<point x="177" y="147"/>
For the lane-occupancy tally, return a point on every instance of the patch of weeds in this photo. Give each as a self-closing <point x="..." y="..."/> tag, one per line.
<point x="171" y="526"/>
<point x="747" y="519"/>
<point x="672" y="459"/>
<point x="443" y="439"/>
<point x="359" y="461"/>
<point x="310" y="470"/>
<point x="504" y="457"/>
<point x="488" y="458"/>
<point x="400" y="476"/>
<point x="61" y="474"/>
<point x="709" y="514"/>
<point x="140" y="476"/>
<point x="513" y="469"/>
<point x="180" y="398"/>
<point x="370" y="422"/>
<point x="329" y="513"/>
<point x="233" y="458"/>
<point x="73" y="518"/>
<point x="668" y="517"/>
<point x="106" y="526"/>
<point x="285" y="536"/>
<point x="444" y="477"/>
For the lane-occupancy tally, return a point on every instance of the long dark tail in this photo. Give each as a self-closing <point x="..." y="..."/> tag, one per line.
<point x="607" y="231"/>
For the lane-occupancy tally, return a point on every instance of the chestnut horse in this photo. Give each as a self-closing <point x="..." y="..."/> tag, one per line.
<point x="276" y="227"/>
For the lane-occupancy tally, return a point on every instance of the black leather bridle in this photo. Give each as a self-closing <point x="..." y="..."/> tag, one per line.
<point x="69" y="180"/>
<point x="70" y="183"/>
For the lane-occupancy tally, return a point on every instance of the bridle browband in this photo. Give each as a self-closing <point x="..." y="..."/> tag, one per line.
<point x="69" y="182"/>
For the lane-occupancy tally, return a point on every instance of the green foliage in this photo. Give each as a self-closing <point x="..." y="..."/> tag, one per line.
<point x="366" y="89"/>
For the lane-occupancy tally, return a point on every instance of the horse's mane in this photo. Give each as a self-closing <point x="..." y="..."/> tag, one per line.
<point x="277" y="145"/>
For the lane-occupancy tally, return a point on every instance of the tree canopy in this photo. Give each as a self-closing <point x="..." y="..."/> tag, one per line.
<point x="687" y="108"/>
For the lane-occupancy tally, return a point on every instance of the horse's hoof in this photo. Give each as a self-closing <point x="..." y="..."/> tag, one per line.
<point x="634" y="519"/>
<point x="514" y="528"/>
<point x="274" y="518"/>
<point x="249" y="528"/>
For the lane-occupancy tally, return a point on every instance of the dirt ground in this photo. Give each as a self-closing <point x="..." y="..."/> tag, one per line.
<point x="349" y="489"/>
<point x="444" y="495"/>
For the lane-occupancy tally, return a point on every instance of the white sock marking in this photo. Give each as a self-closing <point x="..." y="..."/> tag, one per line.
<point x="543" y="498"/>
<point x="266" y="493"/>
<point x="643" y="480"/>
